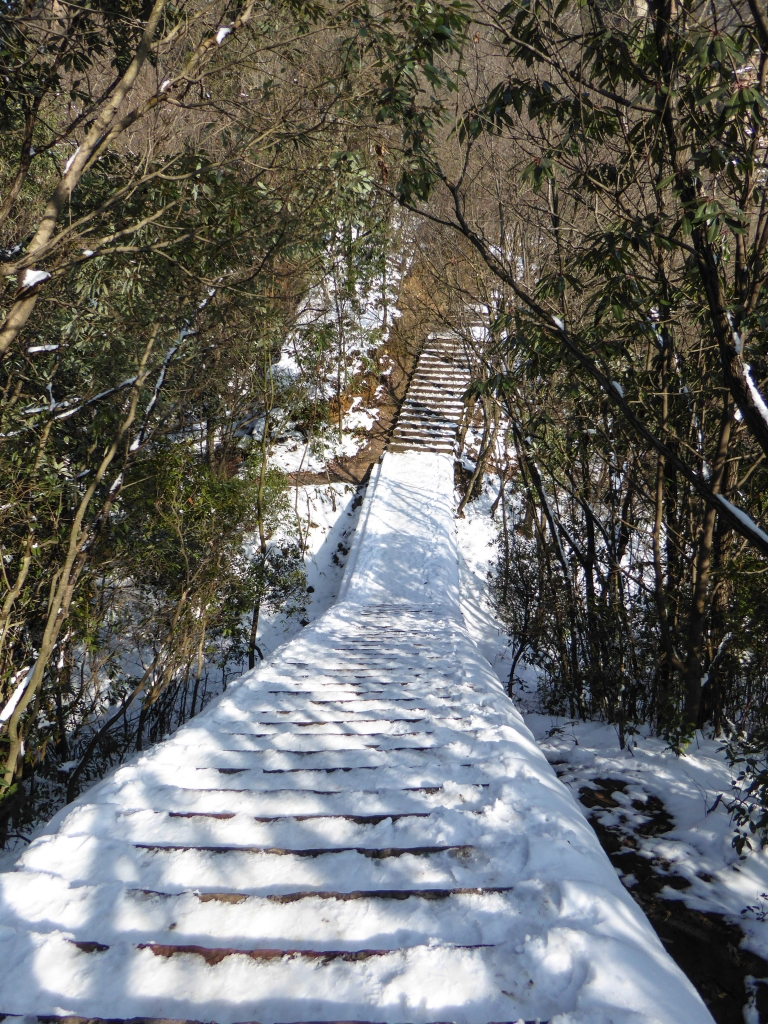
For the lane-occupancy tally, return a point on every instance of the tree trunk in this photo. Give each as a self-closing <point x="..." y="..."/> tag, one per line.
<point x="694" y="670"/>
<point x="253" y="648"/>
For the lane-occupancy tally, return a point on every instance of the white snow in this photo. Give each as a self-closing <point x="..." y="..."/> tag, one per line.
<point x="750" y="524"/>
<point x="13" y="700"/>
<point x="754" y="392"/>
<point x="71" y="160"/>
<point x="29" y="278"/>
<point x="300" y="825"/>
<point x="328" y="514"/>
<point x="695" y="789"/>
<point x="222" y="34"/>
<point x="295" y="454"/>
<point x="478" y="538"/>
<point x="357" y="418"/>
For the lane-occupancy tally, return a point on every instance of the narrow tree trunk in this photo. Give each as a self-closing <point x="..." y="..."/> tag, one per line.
<point x="253" y="648"/>
<point x="490" y="433"/>
<point x="64" y="582"/>
<point x="697" y="621"/>
<point x="22" y="308"/>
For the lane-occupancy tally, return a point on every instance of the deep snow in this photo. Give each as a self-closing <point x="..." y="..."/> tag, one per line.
<point x="328" y="515"/>
<point x="293" y="453"/>
<point x="361" y="829"/>
<point x="696" y="789"/>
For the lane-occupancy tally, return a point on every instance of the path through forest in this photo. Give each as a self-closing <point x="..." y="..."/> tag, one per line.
<point x="361" y="829"/>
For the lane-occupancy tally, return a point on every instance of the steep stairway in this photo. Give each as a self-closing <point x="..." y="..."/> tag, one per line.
<point x="432" y="407"/>
<point x="362" y="829"/>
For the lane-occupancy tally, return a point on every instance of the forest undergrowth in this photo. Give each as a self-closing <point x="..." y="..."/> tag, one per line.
<point x="212" y="218"/>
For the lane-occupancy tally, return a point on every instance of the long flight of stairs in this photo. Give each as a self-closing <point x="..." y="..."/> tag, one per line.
<point x="432" y="408"/>
<point x="361" y="830"/>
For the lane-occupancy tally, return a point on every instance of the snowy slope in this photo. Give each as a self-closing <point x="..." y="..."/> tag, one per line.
<point x="328" y="516"/>
<point x="695" y="789"/>
<point x="361" y="829"/>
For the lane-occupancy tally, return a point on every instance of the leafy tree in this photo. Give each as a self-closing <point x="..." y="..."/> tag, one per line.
<point x="177" y="179"/>
<point x="607" y="169"/>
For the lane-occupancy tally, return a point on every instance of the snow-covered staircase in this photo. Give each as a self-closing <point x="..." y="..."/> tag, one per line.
<point x="362" y="829"/>
<point x="432" y="408"/>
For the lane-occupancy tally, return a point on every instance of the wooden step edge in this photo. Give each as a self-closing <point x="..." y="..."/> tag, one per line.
<point x="69" y="1018"/>
<point x="449" y="365"/>
<point x="373" y="853"/>
<point x="421" y="421"/>
<point x="423" y="444"/>
<point x="429" y="790"/>
<point x="434" y="397"/>
<point x="440" y="379"/>
<point x="411" y="421"/>
<point x="429" y="433"/>
<point x="404" y="449"/>
<point x="330" y="721"/>
<point x="442" y="366"/>
<point x="450" y="370"/>
<point x="17" y="1018"/>
<point x="421" y="405"/>
<point x="432" y="400"/>
<point x="443" y="376"/>
<point x="406" y="435"/>
<point x="330" y="894"/>
<point x="258" y="755"/>
<point x="213" y="955"/>
<point x="426" y="430"/>
<point x="358" y="819"/>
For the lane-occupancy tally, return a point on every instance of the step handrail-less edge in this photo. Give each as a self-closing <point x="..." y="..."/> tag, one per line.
<point x="357" y="539"/>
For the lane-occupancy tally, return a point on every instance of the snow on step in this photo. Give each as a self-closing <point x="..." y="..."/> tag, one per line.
<point x="360" y="830"/>
<point x="432" y="408"/>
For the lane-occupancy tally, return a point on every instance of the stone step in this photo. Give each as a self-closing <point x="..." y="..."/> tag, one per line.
<point x="438" y="449"/>
<point x="387" y="800"/>
<point x="338" y="919"/>
<point x="421" y="413"/>
<point x="444" y="392"/>
<point x="263" y="871"/>
<point x="237" y="830"/>
<point x="434" y="416"/>
<point x="361" y="829"/>
<point x="74" y="1019"/>
<point x="423" y="434"/>
<point x="267" y="983"/>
